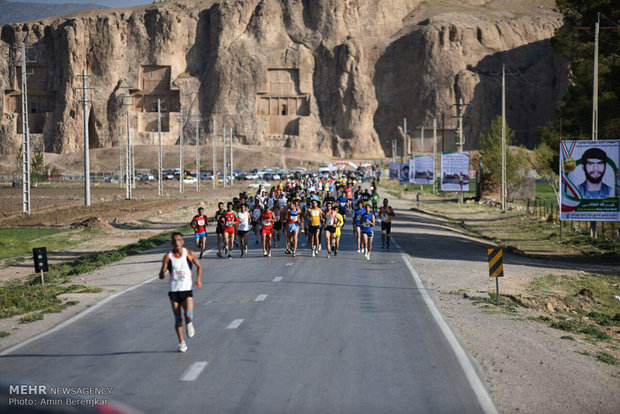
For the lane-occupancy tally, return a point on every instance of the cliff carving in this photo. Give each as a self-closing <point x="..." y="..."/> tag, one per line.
<point x="335" y="76"/>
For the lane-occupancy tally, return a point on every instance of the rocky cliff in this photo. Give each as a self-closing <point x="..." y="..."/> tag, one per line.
<point x="336" y="76"/>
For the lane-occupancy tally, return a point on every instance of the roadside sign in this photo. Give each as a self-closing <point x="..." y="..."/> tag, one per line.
<point x="39" y="254"/>
<point x="496" y="262"/>
<point x="496" y="267"/>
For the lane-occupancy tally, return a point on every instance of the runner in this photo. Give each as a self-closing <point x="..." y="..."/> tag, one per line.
<point x="386" y="213"/>
<point x="330" y="228"/>
<point x="256" y="212"/>
<point x="219" y="229"/>
<point x="357" y="224"/>
<point x="277" y="224"/>
<point x="244" y="229"/>
<point x="267" y="220"/>
<point x="339" y="224"/>
<point x="343" y="203"/>
<point x="199" y="223"/>
<point x="293" y="227"/>
<point x="375" y="199"/>
<point x="365" y="196"/>
<point x="229" y="219"/>
<point x="178" y="263"/>
<point x="315" y="218"/>
<point x="368" y="223"/>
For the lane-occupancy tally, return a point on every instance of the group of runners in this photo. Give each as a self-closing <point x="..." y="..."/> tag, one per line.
<point x="310" y="206"/>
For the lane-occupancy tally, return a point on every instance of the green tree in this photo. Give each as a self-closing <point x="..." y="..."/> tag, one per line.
<point x="37" y="166"/>
<point x="547" y="156"/>
<point x="577" y="45"/>
<point x="491" y="157"/>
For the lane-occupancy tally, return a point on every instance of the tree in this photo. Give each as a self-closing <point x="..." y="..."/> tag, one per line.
<point x="37" y="166"/>
<point x="547" y="157"/>
<point x="491" y="157"/>
<point x="577" y="45"/>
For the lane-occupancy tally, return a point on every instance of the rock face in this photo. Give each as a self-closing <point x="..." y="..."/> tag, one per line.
<point x="336" y="76"/>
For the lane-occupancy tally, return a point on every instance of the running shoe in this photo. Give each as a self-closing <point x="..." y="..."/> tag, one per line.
<point x="287" y="251"/>
<point x="226" y="252"/>
<point x="319" y="247"/>
<point x="293" y="254"/>
<point x="229" y="256"/>
<point x="368" y="256"/>
<point x="269" y="254"/>
<point x="190" y="330"/>
<point x="358" y="250"/>
<point x="329" y="255"/>
<point x="182" y="347"/>
<point x="242" y="253"/>
<point x="335" y="252"/>
<point x="264" y="253"/>
<point x="313" y="253"/>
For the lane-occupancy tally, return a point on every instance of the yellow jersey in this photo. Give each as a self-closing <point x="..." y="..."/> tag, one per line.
<point x="315" y="216"/>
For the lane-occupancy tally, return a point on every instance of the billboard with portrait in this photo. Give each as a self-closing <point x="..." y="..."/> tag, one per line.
<point x="589" y="180"/>
<point x="404" y="173"/>
<point x="455" y="171"/>
<point x="422" y="170"/>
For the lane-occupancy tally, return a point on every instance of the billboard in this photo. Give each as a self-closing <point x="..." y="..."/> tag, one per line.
<point x="589" y="180"/>
<point x="455" y="171"/>
<point x="394" y="169"/>
<point x="422" y="170"/>
<point x="404" y="173"/>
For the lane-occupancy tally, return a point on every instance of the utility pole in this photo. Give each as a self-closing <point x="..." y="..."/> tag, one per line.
<point x="460" y="139"/>
<point x="503" y="187"/>
<point x="224" y="166"/>
<point x="214" y="167"/>
<point x="405" y="140"/>
<point x="84" y="102"/>
<point x="434" y="155"/>
<point x="232" y="176"/>
<point x="120" y="156"/>
<point x="422" y="138"/>
<point x="25" y="135"/>
<point x="197" y="120"/>
<point x="128" y="152"/>
<point x="181" y="163"/>
<point x="160" y="184"/>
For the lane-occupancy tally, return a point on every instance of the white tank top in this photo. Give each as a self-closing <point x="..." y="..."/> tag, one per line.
<point x="244" y="222"/>
<point x="180" y="273"/>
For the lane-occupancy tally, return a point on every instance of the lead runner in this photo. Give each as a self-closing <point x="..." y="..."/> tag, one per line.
<point x="178" y="263"/>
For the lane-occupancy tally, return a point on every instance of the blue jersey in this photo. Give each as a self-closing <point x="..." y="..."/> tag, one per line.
<point x="365" y="218"/>
<point x="358" y="215"/>
<point x="342" y="202"/>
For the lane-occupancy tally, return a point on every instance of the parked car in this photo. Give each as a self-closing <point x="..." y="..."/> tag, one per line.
<point x="111" y="180"/>
<point x="257" y="184"/>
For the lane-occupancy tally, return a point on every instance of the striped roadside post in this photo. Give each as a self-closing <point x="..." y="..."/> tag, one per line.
<point x="496" y="267"/>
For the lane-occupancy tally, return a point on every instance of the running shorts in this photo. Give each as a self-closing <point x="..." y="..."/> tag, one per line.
<point x="219" y="230"/>
<point x="277" y="226"/>
<point x="242" y="233"/>
<point x="229" y="230"/>
<point x="293" y="227"/>
<point x="386" y="227"/>
<point x="267" y="231"/>
<point x="368" y="233"/>
<point x="313" y="229"/>
<point x="180" y="296"/>
<point x="331" y="229"/>
<point x="200" y="235"/>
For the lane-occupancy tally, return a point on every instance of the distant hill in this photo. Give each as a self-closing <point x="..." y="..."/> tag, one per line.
<point x="11" y="12"/>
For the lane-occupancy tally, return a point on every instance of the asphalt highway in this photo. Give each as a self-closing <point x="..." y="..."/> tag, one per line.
<point x="273" y="335"/>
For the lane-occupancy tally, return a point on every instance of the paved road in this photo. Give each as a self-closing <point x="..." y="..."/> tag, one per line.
<point x="338" y="335"/>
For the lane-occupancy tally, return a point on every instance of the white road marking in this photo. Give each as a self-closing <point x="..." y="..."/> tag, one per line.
<point x="194" y="370"/>
<point x="235" y="324"/>
<point x="484" y="399"/>
<point x="289" y="264"/>
<point x="277" y="279"/>
<point x="80" y="315"/>
<point x="260" y="298"/>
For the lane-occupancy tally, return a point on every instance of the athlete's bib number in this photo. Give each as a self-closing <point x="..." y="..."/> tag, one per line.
<point x="330" y="220"/>
<point x="294" y="219"/>
<point x="266" y="223"/>
<point x="384" y="217"/>
<point x="180" y="275"/>
<point x="229" y="223"/>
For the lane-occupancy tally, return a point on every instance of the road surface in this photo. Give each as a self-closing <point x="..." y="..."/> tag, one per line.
<point x="273" y="335"/>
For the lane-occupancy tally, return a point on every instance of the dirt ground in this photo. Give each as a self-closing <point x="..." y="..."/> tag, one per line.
<point x="122" y="221"/>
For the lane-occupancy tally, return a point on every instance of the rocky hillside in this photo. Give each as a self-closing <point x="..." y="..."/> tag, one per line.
<point x="333" y="75"/>
<point x="13" y="12"/>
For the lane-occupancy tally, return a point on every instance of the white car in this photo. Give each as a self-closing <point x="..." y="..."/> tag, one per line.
<point x="251" y="176"/>
<point x="190" y="180"/>
<point x="259" y="183"/>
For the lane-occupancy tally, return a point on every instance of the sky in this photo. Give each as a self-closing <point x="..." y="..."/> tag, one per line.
<point x="107" y="3"/>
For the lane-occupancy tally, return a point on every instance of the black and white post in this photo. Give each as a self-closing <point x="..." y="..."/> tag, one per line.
<point x="197" y="126"/>
<point x="84" y="101"/>
<point x="232" y="176"/>
<point x="214" y="160"/>
<point x="434" y="155"/>
<point x="160" y="186"/>
<point x="224" y="165"/>
<point x="25" y="135"/>
<point x="181" y="163"/>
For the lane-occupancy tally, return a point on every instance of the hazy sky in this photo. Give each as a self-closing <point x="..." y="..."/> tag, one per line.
<point x="107" y="3"/>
